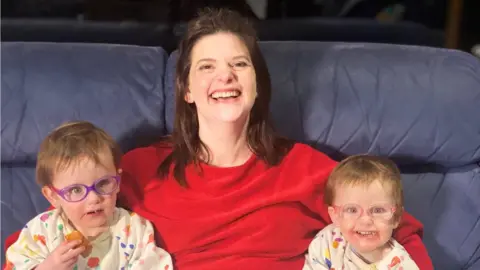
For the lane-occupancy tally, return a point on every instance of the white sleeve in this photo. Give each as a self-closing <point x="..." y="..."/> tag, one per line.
<point x="318" y="255"/>
<point x="398" y="258"/>
<point x="147" y="255"/>
<point x="31" y="247"/>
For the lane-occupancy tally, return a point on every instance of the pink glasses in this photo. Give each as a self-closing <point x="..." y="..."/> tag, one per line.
<point x="354" y="211"/>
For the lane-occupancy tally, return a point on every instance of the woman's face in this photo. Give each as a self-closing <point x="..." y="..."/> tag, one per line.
<point x="222" y="81"/>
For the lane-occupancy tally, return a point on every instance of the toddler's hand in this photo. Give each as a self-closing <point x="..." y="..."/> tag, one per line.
<point x="63" y="257"/>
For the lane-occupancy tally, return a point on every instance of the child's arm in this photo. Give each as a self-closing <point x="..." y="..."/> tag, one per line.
<point x="147" y="255"/>
<point x="318" y="256"/>
<point x="397" y="259"/>
<point x="30" y="249"/>
<point x="10" y="240"/>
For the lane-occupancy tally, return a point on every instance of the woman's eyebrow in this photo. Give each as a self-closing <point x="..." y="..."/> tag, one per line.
<point x="206" y="60"/>
<point x="241" y="57"/>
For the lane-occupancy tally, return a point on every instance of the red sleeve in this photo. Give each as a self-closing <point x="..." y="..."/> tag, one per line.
<point x="319" y="168"/>
<point x="11" y="239"/>
<point x="130" y="189"/>
<point x="139" y="166"/>
<point x="409" y="234"/>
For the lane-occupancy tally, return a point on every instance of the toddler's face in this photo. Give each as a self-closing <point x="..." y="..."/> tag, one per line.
<point x="91" y="214"/>
<point x="365" y="215"/>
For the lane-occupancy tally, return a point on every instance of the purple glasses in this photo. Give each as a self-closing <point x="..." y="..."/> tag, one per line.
<point x="78" y="192"/>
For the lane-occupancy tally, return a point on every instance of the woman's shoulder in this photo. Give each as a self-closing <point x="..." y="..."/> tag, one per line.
<point x="305" y="152"/>
<point x="156" y="152"/>
<point x="307" y="160"/>
<point x="142" y="163"/>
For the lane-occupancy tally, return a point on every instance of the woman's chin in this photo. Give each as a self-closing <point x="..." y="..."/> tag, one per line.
<point x="232" y="117"/>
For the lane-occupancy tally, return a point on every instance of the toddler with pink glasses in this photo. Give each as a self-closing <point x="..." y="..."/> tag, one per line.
<point x="365" y="202"/>
<point x="79" y="174"/>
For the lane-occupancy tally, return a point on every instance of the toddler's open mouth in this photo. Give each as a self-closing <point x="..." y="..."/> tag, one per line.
<point x="95" y="212"/>
<point x="366" y="234"/>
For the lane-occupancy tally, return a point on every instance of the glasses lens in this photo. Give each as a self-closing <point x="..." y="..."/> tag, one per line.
<point x="384" y="212"/>
<point x="106" y="185"/>
<point x="351" y="211"/>
<point x="74" y="193"/>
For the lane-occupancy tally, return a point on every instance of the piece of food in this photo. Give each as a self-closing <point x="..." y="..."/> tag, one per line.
<point x="76" y="235"/>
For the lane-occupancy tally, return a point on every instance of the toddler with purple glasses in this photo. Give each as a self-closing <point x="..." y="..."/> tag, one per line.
<point x="79" y="174"/>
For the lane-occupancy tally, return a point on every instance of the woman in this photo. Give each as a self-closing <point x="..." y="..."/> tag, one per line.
<point x="224" y="192"/>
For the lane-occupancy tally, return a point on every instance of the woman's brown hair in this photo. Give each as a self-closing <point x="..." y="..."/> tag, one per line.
<point x="261" y="138"/>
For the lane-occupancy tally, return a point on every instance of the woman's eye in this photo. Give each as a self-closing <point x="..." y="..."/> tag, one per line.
<point x="205" y="67"/>
<point x="241" y="64"/>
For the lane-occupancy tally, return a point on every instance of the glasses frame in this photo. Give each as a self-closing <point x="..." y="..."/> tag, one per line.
<point x="61" y="192"/>
<point x="339" y="209"/>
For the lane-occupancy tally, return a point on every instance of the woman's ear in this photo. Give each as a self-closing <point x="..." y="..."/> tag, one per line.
<point x="333" y="215"/>
<point x="119" y="171"/>
<point x="188" y="97"/>
<point x="51" y="196"/>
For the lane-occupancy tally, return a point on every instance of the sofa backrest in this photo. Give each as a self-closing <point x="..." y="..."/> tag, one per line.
<point x="414" y="104"/>
<point x="118" y="87"/>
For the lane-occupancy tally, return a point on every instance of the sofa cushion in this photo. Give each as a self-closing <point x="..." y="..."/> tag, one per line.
<point x="448" y="205"/>
<point x="415" y="104"/>
<point x="119" y="88"/>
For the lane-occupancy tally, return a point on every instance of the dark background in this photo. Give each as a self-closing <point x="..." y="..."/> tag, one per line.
<point x="433" y="14"/>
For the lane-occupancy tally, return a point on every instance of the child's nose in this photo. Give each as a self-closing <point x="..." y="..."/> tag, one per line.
<point x="366" y="218"/>
<point x="93" y="197"/>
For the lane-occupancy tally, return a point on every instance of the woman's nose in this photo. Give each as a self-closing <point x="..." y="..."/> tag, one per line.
<point x="225" y="74"/>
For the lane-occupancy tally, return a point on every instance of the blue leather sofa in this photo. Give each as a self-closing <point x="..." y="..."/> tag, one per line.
<point x="418" y="105"/>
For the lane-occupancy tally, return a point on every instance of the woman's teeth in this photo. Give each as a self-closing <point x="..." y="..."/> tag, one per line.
<point x="226" y="94"/>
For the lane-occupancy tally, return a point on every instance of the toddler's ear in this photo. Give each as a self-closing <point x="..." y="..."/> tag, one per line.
<point x="51" y="196"/>
<point x="397" y="220"/>
<point x="333" y="215"/>
<point x="119" y="173"/>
